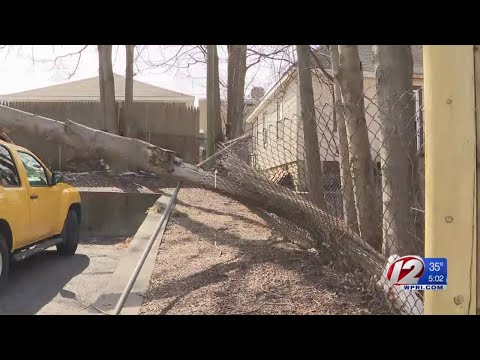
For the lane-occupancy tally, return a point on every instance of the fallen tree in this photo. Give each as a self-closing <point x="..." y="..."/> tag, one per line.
<point x="237" y="180"/>
<point x="90" y="142"/>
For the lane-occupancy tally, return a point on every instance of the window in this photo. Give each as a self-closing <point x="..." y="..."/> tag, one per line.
<point x="279" y="120"/>
<point x="377" y="171"/>
<point x="8" y="172"/>
<point x="335" y="118"/>
<point x="280" y="129"/>
<point x="257" y="132"/>
<point x="265" y="130"/>
<point x="418" y="92"/>
<point x="35" y="172"/>
<point x="279" y="109"/>
<point x="271" y="130"/>
<point x="253" y="160"/>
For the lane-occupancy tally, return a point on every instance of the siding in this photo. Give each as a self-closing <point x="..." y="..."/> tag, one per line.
<point x="271" y="147"/>
<point x="288" y="149"/>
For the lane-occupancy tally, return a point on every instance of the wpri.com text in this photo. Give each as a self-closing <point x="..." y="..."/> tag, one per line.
<point x="416" y="273"/>
<point x="422" y="287"/>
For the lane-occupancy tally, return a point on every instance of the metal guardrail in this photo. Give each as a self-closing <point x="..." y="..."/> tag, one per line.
<point x="151" y="241"/>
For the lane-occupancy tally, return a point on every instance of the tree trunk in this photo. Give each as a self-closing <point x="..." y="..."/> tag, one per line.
<point x="237" y="69"/>
<point x="394" y="77"/>
<point x="351" y="82"/>
<point x="91" y="142"/>
<point x="310" y="135"/>
<point x="232" y="65"/>
<point x="129" y="120"/>
<point x="217" y="123"/>
<point x="210" y="102"/>
<point x="349" y="212"/>
<point x="107" y="81"/>
<point x="101" y="85"/>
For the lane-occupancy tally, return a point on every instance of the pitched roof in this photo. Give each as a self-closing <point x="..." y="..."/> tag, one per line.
<point x="89" y="90"/>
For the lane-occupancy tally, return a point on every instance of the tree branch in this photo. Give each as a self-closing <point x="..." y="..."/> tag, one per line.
<point x="320" y="66"/>
<point x="59" y="57"/>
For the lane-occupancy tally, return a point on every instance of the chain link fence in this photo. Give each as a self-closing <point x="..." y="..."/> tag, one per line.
<point x="370" y="180"/>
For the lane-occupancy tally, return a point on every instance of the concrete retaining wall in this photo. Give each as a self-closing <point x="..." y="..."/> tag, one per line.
<point x="114" y="214"/>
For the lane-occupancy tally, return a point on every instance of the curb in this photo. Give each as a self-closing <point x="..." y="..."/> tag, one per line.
<point x="108" y="299"/>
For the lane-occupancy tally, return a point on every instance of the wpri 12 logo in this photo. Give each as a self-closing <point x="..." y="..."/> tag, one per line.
<point x="415" y="273"/>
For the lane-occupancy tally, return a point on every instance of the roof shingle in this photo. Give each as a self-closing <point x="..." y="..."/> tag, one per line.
<point x="89" y="90"/>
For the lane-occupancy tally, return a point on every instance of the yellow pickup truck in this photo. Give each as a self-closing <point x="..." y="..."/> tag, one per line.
<point x="37" y="209"/>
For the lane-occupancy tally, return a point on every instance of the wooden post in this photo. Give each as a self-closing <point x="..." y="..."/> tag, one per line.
<point x="450" y="174"/>
<point x="477" y="115"/>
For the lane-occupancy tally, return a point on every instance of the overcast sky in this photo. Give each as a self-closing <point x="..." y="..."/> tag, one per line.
<point x="29" y="67"/>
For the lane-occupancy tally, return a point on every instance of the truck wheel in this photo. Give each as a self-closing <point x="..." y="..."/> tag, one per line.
<point x="70" y="235"/>
<point x="4" y="262"/>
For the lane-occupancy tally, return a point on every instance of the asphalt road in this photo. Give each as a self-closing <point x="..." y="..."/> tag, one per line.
<point x="50" y="284"/>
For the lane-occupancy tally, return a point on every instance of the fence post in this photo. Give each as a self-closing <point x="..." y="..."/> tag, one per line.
<point x="450" y="174"/>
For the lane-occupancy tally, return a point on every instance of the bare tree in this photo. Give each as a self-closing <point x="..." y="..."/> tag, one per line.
<point x="217" y="123"/>
<point x="350" y="76"/>
<point x="174" y="57"/>
<point x="57" y="62"/>
<point x="101" y="83"/>
<point x="237" y="69"/>
<point x="394" y="77"/>
<point x="129" y="121"/>
<point x="187" y="58"/>
<point x="214" y="120"/>
<point x="349" y="211"/>
<point x="210" y="102"/>
<point x="313" y="162"/>
<point x="107" y="88"/>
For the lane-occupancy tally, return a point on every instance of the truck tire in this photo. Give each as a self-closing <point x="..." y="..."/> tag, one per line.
<point x="70" y="235"/>
<point x="4" y="262"/>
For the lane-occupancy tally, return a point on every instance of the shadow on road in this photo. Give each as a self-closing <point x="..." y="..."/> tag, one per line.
<point x="36" y="281"/>
<point x="87" y="239"/>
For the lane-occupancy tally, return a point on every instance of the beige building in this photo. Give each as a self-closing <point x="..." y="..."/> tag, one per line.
<point x="277" y="127"/>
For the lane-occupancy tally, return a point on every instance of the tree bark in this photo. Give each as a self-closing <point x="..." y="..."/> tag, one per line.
<point x="107" y="81"/>
<point x="129" y="120"/>
<point x="310" y="135"/>
<point x="349" y="212"/>
<point x="232" y="65"/>
<point x="394" y="78"/>
<point x="217" y="123"/>
<point x="351" y="82"/>
<point x="210" y="102"/>
<point x="101" y="84"/>
<point x="237" y="69"/>
<point x="91" y="142"/>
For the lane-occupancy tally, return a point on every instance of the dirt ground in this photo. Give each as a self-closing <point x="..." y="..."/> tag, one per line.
<point x="219" y="257"/>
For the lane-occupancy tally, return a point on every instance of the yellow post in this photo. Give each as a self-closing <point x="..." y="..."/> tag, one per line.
<point x="450" y="174"/>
